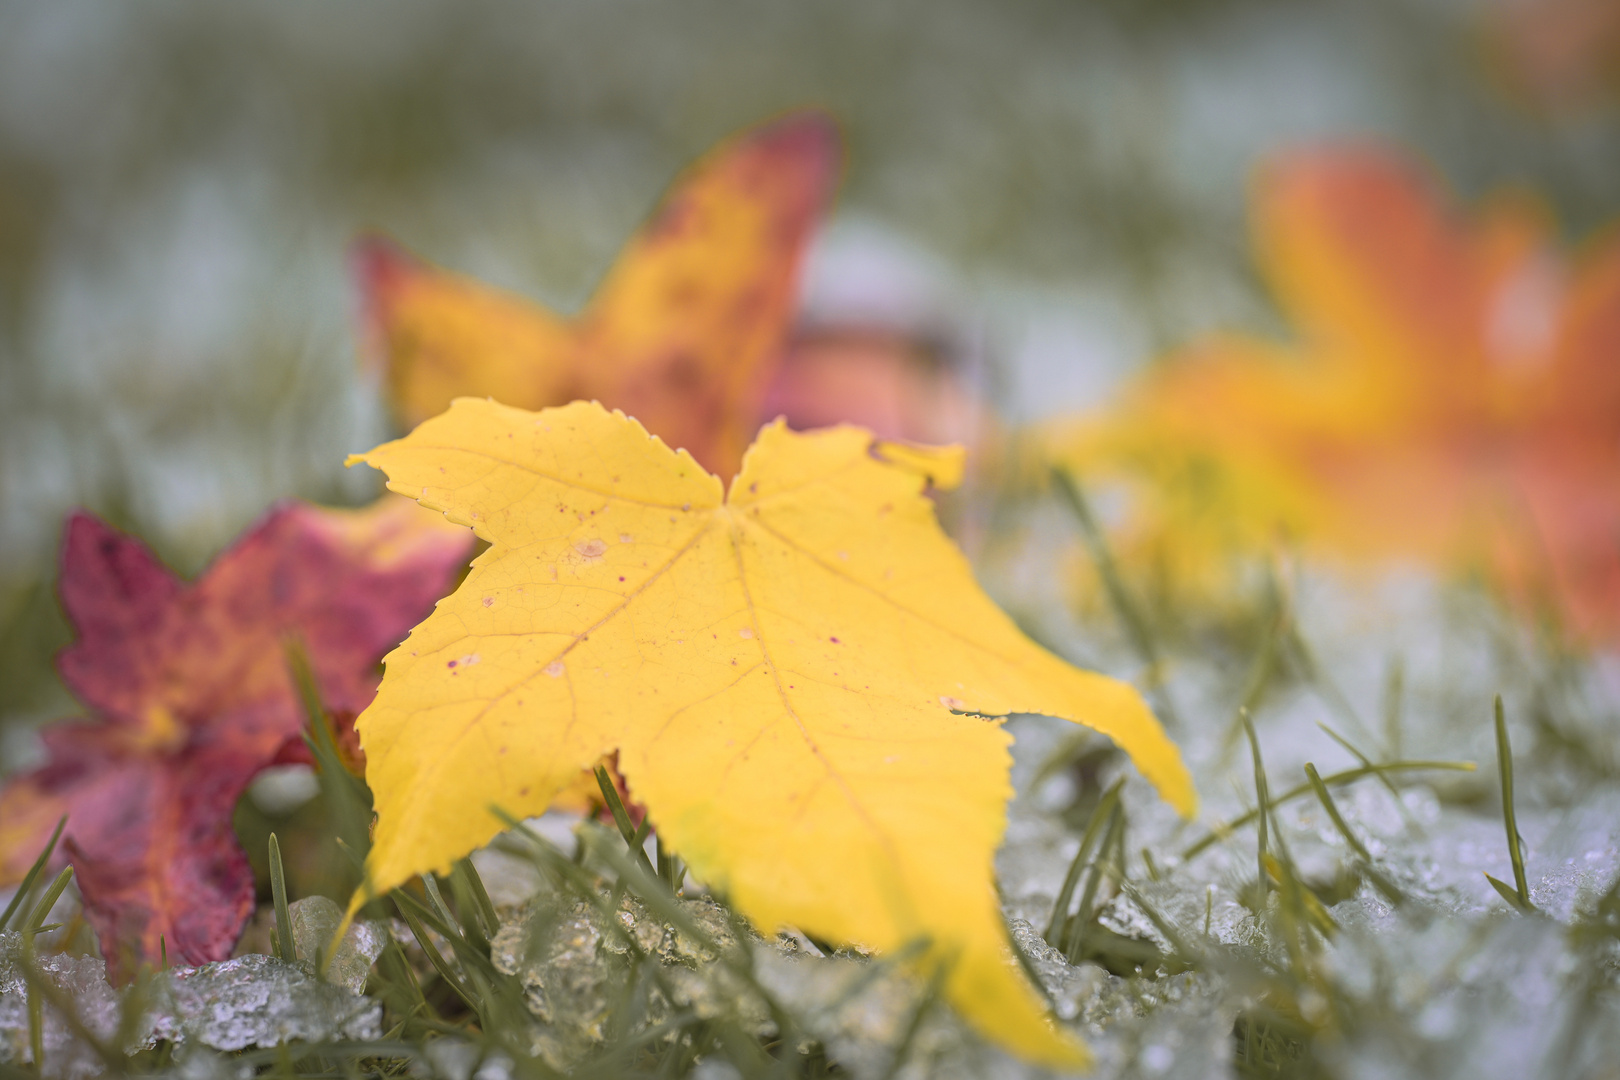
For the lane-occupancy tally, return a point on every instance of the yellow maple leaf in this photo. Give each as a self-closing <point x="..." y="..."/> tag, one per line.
<point x="784" y="673"/>
<point x="1448" y="397"/>
<point x="679" y="334"/>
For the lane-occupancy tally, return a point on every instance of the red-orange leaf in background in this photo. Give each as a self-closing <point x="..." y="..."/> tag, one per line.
<point x="190" y="697"/>
<point x="679" y="335"/>
<point x="1453" y="393"/>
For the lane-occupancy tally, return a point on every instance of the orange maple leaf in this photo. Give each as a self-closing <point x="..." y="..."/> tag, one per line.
<point x="680" y="333"/>
<point x="190" y="697"/>
<point x="1451" y="396"/>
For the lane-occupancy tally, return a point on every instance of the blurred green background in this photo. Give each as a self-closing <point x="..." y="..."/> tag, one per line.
<point x="1063" y="179"/>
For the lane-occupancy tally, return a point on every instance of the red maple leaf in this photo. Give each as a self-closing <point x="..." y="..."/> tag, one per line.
<point x="190" y="698"/>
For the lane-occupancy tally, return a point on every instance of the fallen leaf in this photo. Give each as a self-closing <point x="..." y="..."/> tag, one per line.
<point x="785" y="673"/>
<point x="190" y="697"/>
<point x="680" y="333"/>
<point x="1450" y="397"/>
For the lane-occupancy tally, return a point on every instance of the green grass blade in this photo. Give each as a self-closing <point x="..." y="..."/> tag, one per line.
<point x="469" y="918"/>
<point x="1129" y="612"/>
<point x="36" y="917"/>
<point x="1504" y="765"/>
<point x="1075" y="927"/>
<point x="1060" y="908"/>
<point x="26" y="886"/>
<point x="1178" y="944"/>
<point x="1379" y="880"/>
<point x="431" y="951"/>
<point x="1366" y="761"/>
<point x="635" y="876"/>
<point x="480" y="895"/>
<point x="1394" y="702"/>
<point x="346" y="794"/>
<point x="286" y="947"/>
<point x="1263" y="808"/>
<point x="36" y="1029"/>
<point x="1263" y="666"/>
<point x="440" y="908"/>
<point x="1075" y="935"/>
<point x="1326" y="799"/>
<point x="1508" y="893"/>
<point x="621" y="818"/>
<point x="615" y="805"/>
<point x="465" y="951"/>
<point x="1223" y="830"/>
<point x="670" y="867"/>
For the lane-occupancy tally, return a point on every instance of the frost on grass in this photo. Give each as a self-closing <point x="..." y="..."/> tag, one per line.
<point x="256" y="1000"/>
<point x="251" y="1001"/>
<point x="1450" y="981"/>
<point x="587" y="969"/>
<point x="84" y="980"/>
<point x="575" y="970"/>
